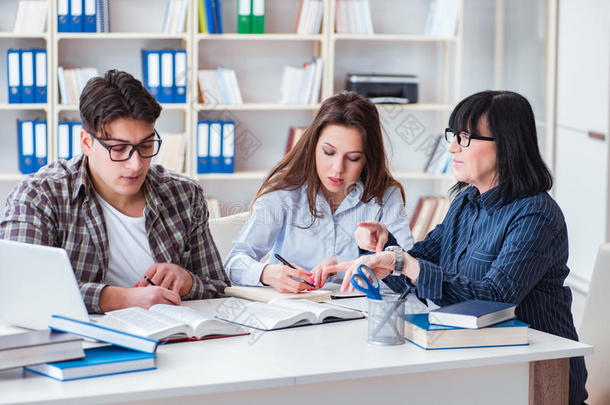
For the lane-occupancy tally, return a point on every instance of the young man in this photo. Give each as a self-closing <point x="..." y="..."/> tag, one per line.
<point x="124" y="224"/>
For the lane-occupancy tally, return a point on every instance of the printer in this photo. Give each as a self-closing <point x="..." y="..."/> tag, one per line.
<point x="380" y="88"/>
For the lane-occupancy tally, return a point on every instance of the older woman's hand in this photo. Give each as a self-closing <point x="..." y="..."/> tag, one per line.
<point x="371" y="236"/>
<point x="382" y="265"/>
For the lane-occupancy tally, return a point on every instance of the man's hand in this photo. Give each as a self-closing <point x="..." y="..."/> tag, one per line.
<point x="120" y="297"/>
<point x="168" y="276"/>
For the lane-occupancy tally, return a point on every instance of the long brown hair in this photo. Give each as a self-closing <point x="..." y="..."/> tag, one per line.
<point x="298" y="167"/>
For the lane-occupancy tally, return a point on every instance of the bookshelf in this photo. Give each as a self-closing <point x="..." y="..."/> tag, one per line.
<point x="398" y="46"/>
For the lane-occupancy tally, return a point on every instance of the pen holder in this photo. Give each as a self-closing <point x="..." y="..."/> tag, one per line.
<point x="386" y="322"/>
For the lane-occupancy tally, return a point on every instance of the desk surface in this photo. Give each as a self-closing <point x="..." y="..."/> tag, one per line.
<point x="305" y="355"/>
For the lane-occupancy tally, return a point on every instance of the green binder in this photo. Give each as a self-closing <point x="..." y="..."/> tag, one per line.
<point x="258" y="16"/>
<point x="244" y="17"/>
<point x="203" y="20"/>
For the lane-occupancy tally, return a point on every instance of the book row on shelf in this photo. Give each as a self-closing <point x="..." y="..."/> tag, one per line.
<point x="71" y="83"/>
<point x="31" y="17"/>
<point x="429" y="212"/>
<point x="83" y="16"/>
<point x="302" y="85"/>
<point x="164" y="74"/>
<point x="309" y="20"/>
<point x="354" y="17"/>
<point x="218" y="86"/>
<point x="250" y="16"/>
<point x="27" y="75"/>
<point x="215" y="146"/>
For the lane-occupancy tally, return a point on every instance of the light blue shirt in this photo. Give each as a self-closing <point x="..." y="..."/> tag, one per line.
<point x="280" y="223"/>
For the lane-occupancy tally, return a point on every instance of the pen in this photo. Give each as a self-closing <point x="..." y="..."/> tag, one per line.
<point x="284" y="261"/>
<point x="149" y="280"/>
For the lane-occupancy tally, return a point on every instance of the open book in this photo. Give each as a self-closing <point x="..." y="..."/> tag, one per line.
<point x="167" y="321"/>
<point x="268" y="294"/>
<point x="283" y="313"/>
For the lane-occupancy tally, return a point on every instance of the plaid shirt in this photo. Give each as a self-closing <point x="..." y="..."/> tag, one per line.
<point x="57" y="207"/>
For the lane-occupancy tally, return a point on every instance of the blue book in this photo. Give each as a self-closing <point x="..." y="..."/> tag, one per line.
<point x="25" y="146"/>
<point x="98" y="361"/>
<point x="210" y="7"/>
<point x="63" y="16"/>
<point x="228" y="147"/>
<point x="13" y="66"/>
<point x="430" y="336"/>
<point x="473" y="314"/>
<point x="76" y="15"/>
<point x="90" y="16"/>
<point x="40" y="83"/>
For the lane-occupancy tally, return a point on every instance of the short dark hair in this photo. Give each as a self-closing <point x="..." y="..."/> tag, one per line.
<point x="520" y="169"/>
<point x="117" y="95"/>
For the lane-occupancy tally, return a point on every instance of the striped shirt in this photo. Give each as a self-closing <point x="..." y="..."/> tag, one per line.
<point x="511" y="252"/>
<point x="57" y="207"/>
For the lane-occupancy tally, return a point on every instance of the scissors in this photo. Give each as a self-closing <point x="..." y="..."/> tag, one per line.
<point x="367" y="282"/>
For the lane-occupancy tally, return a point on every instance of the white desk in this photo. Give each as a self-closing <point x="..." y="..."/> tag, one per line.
<point x="324" y="363"/>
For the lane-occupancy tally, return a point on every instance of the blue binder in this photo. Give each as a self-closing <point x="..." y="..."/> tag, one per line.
<point x="76" y="15"/>
<point x="25" y="146"/>
<point x="166" y="93"/>
<point x="210" y="13"/>
<point x="27" y="76"/>
<point x="228" y="147"/>
<point x="64" y="142"/>
<point x="203" y="149"/>
<point x="151" y="71"/>
<point x="180" y="76"/>
<point x="75" y="130"/>
<point x="218" y="16"/>
<point x="13" y="66"/>
<point x="89" y="16"/>
<point x="63" y="16"/>
<point x="215" y="146"/>
<point x="40" y="84"/>
<point x="40" y="140"/>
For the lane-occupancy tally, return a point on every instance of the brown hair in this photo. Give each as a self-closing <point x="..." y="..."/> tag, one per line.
<point x="116" y="95"/>
<point x="298" y="167"/>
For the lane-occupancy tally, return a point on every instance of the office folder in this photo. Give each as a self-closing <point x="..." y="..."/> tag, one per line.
<point x="203" y="19"/>
<point x="63" y="16"/>
<point x="167" y="77"/>
<point x="75" y="130"/>
<point x="14" y="75"/>
<point x="40" y="136"/>
<point x="63" y="141"/>
<point x="210" y="13"/>
<point x="151" y="71"/>
<point x="258" y="16"/>
<point x="244" y="17"/>
<point x="215" y="149"/>
<point x="25" y="144"/>
<point x="203" y="134"/>
<point x="90" y="16"/>
<point x="180" y="76"/>
<point x="27" y="76"/>
<point x="76" y="16"/>
<point x="228" y="147"/>
<point x="40" y="84"/>
<point x="218" y="16"/>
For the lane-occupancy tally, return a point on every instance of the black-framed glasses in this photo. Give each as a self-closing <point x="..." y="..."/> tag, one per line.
<point x="463" y="137"/>
<point x="121" y="152"/>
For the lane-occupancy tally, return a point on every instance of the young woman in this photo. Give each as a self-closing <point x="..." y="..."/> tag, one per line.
<point x="504" y="238"/>
<point x="308" y="207"/>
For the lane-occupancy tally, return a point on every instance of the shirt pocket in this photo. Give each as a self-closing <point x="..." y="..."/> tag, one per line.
<point x="478" y="262"/>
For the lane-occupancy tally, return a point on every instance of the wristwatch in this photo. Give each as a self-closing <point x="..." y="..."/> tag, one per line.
<point x="399" y="262"/>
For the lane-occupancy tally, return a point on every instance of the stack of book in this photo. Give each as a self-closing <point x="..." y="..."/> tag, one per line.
<point x="251" y="17"/>
<point x="31" y="17"/>
<point x="309" y="20"/>
<point x="302" y="85"/>
<point x="443" y="18"/>
<point x="429" y="212"/>
<point x="210" y="16"/>
<point x="172" y="152"/>
<point x="175" y="16"/>
<point x="27" y="75"/>
<point x="219" y="86"/>
<point x="354" y="17"/>
<point x="82" y="16"/>
<point x="72" y="81"/>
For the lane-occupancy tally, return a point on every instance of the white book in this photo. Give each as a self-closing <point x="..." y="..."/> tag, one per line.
<point x="284" y="313"/>
<point x="296" y="86"/>
<point x="302" y="26"/>
<point x="311" y="18"/>
<point x="63" y="87"/>
<point x="339" y="17"/>
<point x="181" y="23"/>
<point x="307" y="88"/>
<point x="317" y="82"/>
<point x="442" y="18"/>
<point x="352" y="19"/>
<point x="368" y="17"/>
<point x="285" y="86"/>
<point x="236" y="93"/>
<point x="209" y="86"/>
<point x="319" y="15"/>
<point x="31" y="16"/>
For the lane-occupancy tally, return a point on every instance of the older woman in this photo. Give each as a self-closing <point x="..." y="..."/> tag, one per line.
<point x="503" y="239"/>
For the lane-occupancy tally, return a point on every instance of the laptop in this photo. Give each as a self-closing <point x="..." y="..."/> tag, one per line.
<point x="37" y="282"/>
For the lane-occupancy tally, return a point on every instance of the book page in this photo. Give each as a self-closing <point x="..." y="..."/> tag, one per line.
<point x="200" y="324"/>
<point x="142" y="322"/>
<point x="320" y="310"/>
<point x="264" y="316"/>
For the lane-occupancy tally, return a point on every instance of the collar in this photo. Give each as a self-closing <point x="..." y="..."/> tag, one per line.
<point x="491" y="200"/>
<point x="350" y="200"/>
<point x="80" y="178"/>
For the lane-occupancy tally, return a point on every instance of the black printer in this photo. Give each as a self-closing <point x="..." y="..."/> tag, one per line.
<point x="380" y="88"/>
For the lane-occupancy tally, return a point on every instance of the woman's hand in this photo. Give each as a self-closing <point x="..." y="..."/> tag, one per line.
<point x="381" y="263"/>
<point x="321" y="271"/>
<point x="280" y="277"/>
<point x="371" y="236"/>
